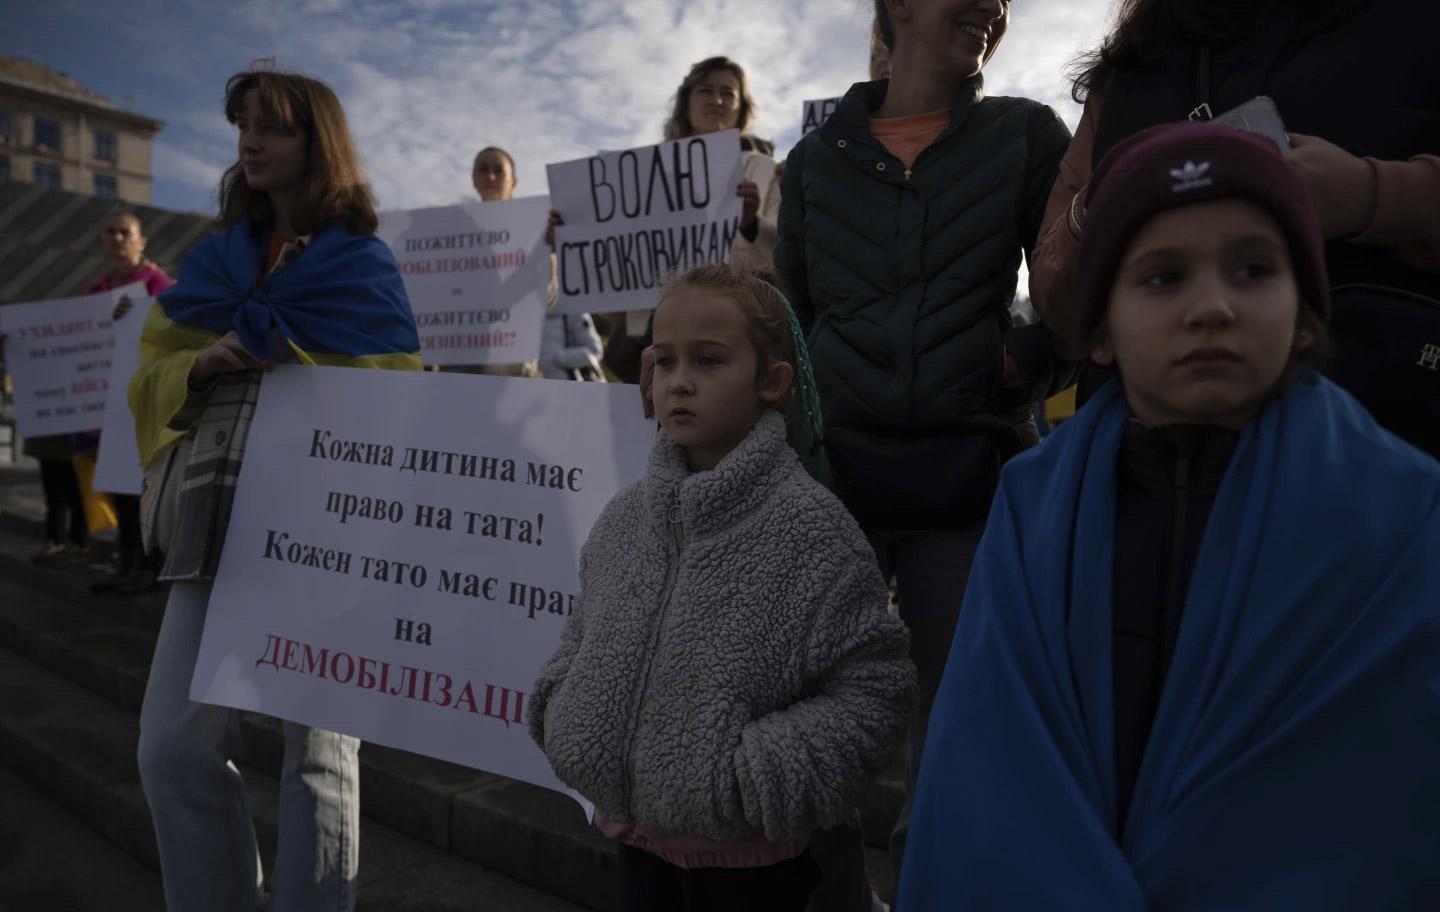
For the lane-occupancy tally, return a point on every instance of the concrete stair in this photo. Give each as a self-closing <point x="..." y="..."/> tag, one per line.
<point x="436" y="835"/>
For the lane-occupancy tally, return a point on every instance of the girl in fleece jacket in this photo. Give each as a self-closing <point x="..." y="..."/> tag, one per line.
<point x="731" y="676"/>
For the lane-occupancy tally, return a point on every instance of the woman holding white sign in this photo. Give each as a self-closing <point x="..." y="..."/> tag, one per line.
<point x="295" y="273"/>
<point x="493" y="175"/>
<point x="123" y="238"/>
<point x="569" y="346"/>
<point x="713" y="97"/>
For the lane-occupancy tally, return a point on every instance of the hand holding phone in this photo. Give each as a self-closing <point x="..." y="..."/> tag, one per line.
<point x="1258" y="115"/>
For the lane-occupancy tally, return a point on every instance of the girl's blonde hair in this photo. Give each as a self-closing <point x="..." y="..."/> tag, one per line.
<point x="775" y="333"/>
<point x="767" y="319"/>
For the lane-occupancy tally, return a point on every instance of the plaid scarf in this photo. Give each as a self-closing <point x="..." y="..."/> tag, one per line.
<point x="201" y="471"/>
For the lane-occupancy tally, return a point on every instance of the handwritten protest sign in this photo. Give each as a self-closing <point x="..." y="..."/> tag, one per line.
<point x="816" y="112"/>
<point x="58" y="354"/>
<point x="477" y="277"/>
<point x="404" y="580"/>
<point x="117" y="466"/>
<point x="633" y="217"/>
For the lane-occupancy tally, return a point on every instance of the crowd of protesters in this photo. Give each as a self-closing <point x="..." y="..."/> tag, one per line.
<point x="1180" y="655"/>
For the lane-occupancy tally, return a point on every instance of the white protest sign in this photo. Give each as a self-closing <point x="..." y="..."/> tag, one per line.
<point x="816" y="112"/>
<point x="634" y="217"/>
<point x="58" y="354"/>
<point x="403" y="553"/>
<point x="117" y="466"/>
<point x="477" y="276"/>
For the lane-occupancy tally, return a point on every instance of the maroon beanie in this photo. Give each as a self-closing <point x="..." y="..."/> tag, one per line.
<point x="1175" y="165"/>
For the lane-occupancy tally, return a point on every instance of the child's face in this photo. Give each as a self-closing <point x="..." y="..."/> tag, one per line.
<point x="1202" y="315"/>
<point x="707" y="392"/>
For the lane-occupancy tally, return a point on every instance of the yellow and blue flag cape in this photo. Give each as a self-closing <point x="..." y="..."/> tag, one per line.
<point x="340" y="303"/>
<point x="1295" y="758"/>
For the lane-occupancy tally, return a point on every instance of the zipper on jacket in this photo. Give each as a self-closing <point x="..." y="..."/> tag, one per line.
<point x="667" y="590"/>
<point x="907" y="175"/>
<point x="1175" y="594"/>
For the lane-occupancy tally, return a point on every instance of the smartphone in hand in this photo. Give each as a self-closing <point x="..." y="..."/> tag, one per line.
<point x="1258" y="115"/>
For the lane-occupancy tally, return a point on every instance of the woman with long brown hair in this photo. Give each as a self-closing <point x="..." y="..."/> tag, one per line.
<point x="713" y="96"/>
<point x="294" y="273"/>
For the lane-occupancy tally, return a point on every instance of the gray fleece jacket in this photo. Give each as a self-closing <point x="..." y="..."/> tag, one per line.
<point x="731" y="667"/>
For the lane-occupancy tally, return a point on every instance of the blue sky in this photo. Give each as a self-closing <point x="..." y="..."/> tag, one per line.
<point x="427" y="82"/>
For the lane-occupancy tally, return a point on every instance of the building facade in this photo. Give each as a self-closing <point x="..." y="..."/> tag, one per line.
<point x="57" y="134"/>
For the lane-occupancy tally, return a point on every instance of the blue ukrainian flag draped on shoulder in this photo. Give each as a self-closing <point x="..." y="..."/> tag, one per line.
<point x="1295" y="757"/>
<point x="341" y="302"/>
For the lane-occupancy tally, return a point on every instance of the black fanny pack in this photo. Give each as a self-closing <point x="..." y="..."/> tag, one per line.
<point x="904" y="481"/>
<point x="1387" y="355"/>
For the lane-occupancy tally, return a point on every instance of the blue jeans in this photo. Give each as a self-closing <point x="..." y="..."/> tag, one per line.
<point x="208" y="857"/>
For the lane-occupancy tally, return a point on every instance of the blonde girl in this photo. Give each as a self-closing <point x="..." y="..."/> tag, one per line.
<point x="731" y="676"/>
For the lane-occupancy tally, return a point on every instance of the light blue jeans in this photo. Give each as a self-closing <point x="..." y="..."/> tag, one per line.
<point x="208" y="857"/>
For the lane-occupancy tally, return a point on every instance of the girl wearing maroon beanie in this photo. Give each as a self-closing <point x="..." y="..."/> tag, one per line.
<point x="1196" y="665"/>
<point x="1366" y="148"/>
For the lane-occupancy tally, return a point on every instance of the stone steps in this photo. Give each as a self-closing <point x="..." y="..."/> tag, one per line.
<point x="79" y="748"/>
<point x="102" y="645"/>
<point x="510" y="827"/>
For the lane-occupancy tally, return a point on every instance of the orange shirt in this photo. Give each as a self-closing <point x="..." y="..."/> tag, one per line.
<point x="277" y="244"/>
<point x="906" y="137"/>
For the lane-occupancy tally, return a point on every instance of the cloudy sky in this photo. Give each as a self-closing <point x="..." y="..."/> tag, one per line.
<point x="427" y="82"/>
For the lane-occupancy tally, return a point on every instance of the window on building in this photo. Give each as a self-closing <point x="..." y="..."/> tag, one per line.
<point x="4" y="127"/>
<point x="4" y="167"/>
<point x="47" y="132"/>
<point x="106" y="146"/>
<point x="47" y="175"/>
<point x="105" y="186"/>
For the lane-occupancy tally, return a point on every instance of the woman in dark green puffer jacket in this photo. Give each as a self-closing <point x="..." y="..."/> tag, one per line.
<point x="903" y="220"/>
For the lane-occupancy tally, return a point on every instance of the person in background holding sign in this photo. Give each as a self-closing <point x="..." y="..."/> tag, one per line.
<point x="902" y="225"/>
<point x="713" y="97"/>
<point x="493" y="175"/>
<point x="570" y="348"/>
<point x="730" y="675"/>
<point x="294" y="273"/>
<point x="124" y="240"/>
<point x="1368" y="151"/>
<point x="1197" y="664"/>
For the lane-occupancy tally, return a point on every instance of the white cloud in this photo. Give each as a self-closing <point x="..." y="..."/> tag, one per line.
<point x="1044" y="39"/>
<point x="551" y="82"/>
<point x="185" y="167"/>
<point x="427" y="82"/>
